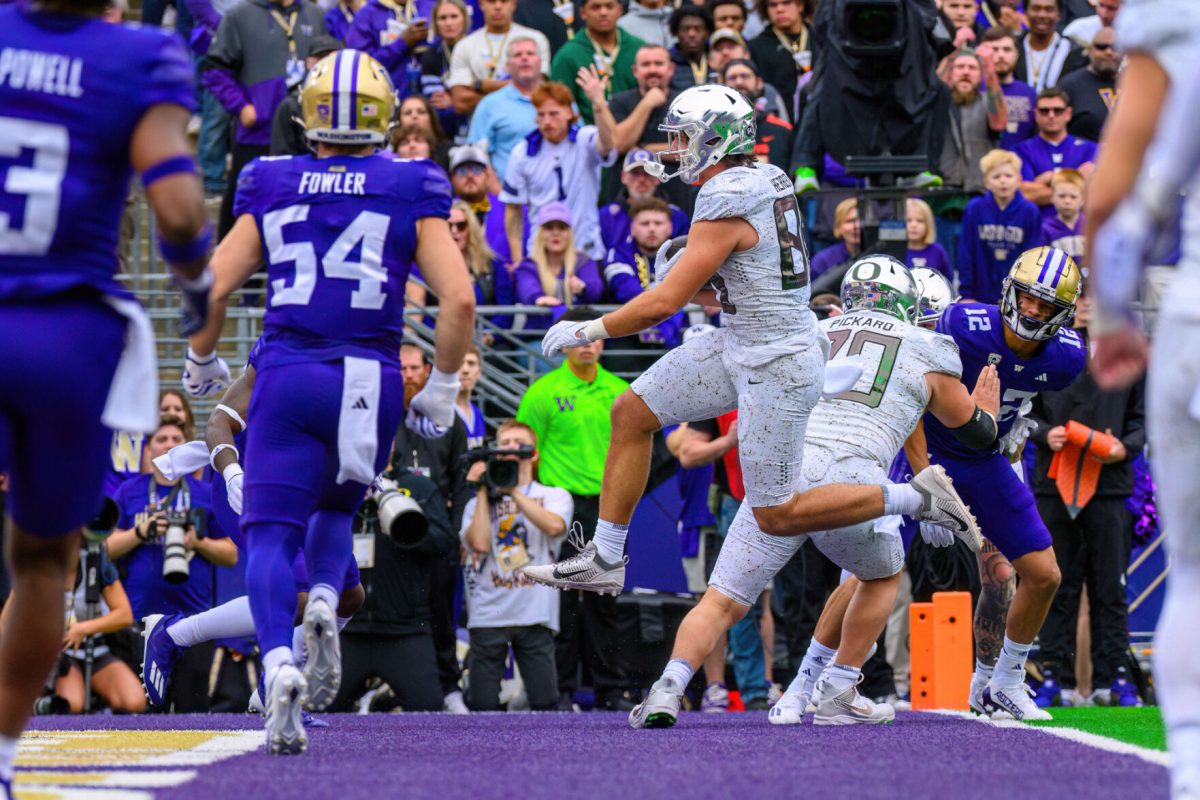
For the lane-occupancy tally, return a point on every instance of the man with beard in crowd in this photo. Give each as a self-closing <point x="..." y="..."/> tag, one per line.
<point x="469" y="177"/>
<point x="440" y="460"/>
<point x="977" y="117"/>
<point x="1093" y="89"/>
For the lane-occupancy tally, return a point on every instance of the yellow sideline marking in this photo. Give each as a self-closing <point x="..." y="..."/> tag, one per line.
<point x="48" y="762"/>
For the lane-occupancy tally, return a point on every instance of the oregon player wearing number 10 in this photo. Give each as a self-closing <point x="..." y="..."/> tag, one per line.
<point x="1028" y="340"/>
<point x="767" y="360"/>
<point x="82" y="104"/>
<point x="337" y="231"/>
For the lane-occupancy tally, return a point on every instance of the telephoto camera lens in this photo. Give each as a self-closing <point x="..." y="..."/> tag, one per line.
<point x="175" y="560"/>
<point x="400" y="516"/>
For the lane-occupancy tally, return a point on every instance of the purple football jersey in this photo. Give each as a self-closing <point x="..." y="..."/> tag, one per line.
<point x="72" y="90"/>
<point x="338" y="235"/>
<point x="979" y="332"/>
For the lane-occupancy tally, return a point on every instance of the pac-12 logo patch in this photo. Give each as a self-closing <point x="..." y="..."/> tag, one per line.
<point x="994" y="359"/>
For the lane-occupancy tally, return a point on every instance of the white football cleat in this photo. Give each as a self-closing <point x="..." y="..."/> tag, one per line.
<point x="790" y="709"/>
<point x="943" y="505"/>
<point x="660" y="709"/>
<point x="323" y="669"/>
<point x="1016" y="701"/>
<point x="848" y="707"/>
<point x="287" y="692"/>
<point x="585" y="570"/>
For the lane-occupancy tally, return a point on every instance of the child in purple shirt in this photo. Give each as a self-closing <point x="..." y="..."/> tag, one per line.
<point x="923" y="249"/>
<point x="1064" y="230"/>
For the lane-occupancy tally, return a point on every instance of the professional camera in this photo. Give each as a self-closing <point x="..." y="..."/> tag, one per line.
<point x="399" y="514"/>
<point x="175" y="554"/>
<point x="501" y="472"/>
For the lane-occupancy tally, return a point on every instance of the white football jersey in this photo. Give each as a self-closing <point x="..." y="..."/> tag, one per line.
<point x="1169" y="31"/>
<point x="873" y="419"/>
<point x="764" y="290"/>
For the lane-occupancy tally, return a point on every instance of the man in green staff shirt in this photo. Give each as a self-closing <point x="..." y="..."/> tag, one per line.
<point x="601" y="44"/>
<point x="570" y="410"/>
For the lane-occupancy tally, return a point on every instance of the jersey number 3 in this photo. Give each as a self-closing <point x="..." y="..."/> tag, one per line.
<point x="369" y="228"/>
<point x="36" y="153"/>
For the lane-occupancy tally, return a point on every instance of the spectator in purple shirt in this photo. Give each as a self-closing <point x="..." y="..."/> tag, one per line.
<point x="339" y="18"/>
<point x="1051" y="150"/>
<point x="556" y="274"/>
<point x="1019" y="97"/>
<point x="636" y="184"/>
<point x="923" y="249"/>
<point x="849" y="244"/>
<point x="395" y="34"/>
<point x="1064" y="230"/>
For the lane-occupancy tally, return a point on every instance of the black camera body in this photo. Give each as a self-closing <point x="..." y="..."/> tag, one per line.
<point x="501" y="473"/>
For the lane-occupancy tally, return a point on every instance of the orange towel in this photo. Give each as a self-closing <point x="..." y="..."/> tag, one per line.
<point x="1076" y="468"/>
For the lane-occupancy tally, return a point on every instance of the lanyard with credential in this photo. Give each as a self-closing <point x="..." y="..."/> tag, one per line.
<point x="153" y="502"/>
<point x="403" y="13"/>
<point x="797" y="47"/>
<point x="605" y="61"/>
<point x="700" y="71"/>
<point x="288" y="24"/>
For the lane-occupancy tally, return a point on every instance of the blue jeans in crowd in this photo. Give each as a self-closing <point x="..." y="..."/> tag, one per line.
<point x="213" y="143"/>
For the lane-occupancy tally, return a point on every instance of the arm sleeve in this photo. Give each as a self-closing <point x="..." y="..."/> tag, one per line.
<point x="364" y="36"/>
<point x="1041" y="425"/>
<point x="727" y="195"/>
<point x="229" y="93"/>
<point x="481" y="124"/>
<point x="468" y="515"/>
<point x="514" y="190"/>
<point x="1033" y="223"/>
<point x="170" y="76"/>
<point x="527" y="285"/>
<point x="943" y="356"/>
<point x="246" y="195"/>
<point x="460" y="69"/>
<point x="203" y="12"/>
<point x="1134" y="434"/>
<point x="593" y="289"/>
<point x="431" y="194"/>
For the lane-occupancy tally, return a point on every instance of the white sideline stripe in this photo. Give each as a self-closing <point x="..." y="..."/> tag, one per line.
<point x="76" y="793"/>
<point x="1157" y="757"/>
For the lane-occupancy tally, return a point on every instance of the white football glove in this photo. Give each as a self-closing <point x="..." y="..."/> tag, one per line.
<point x="936" y="535"/>
<point x="423" y="426"/>
<point x="667" y="256"/>
<point x="234" y="477"/>
<point x="436" y="400"/>
<point x="205" y="375"/>
<point x="563" y="334"/>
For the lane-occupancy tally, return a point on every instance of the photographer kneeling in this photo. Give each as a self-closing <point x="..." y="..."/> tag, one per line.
<point x="163" y="526"/>
<point x="513" y="521"/>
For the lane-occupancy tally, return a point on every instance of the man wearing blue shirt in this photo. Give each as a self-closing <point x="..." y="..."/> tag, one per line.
<point x="506" y="116"/>
<point x="1051" y="150"/>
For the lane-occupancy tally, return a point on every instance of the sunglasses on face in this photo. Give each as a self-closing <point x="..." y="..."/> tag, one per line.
<point x="468" y="169"/>
<point x="1052" y="112"/>
<point x="458" y="226"/>
<point x="1103" y="47"/>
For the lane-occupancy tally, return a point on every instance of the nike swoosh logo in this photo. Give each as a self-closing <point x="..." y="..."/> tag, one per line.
<point x="558" y="573"/>
<point x="962" y="523"/>
<point x="753" y="382"/>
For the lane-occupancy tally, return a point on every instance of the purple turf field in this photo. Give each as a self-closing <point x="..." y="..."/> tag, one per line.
<point x="551" y="756"/>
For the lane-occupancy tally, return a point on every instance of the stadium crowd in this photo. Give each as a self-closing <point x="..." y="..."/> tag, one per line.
<point x="544" y="115"/>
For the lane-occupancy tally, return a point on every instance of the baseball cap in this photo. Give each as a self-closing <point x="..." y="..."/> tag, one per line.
<point x="637" y="158"/>
<point x="725" y="34"/>
<point x="323" y="45"/>
<point x="554" y="212"/>
<point x="468" y="154"/>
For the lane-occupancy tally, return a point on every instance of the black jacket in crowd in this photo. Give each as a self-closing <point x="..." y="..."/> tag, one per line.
<point x="397" y="586"/>
<point x="1084" y="402"/>
<point x="440" y="460"/>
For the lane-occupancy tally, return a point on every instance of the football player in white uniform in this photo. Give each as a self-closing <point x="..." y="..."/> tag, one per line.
<point x="851" y="439"/>
<point x="744" y="253"/>
<point x="1150" y="154"/>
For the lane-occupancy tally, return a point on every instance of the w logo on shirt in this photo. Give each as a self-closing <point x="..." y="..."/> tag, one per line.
<point x="1109" y="97"/>
<point x="565" y="403"/>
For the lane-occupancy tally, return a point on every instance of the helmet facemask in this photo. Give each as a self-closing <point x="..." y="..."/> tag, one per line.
<point x="1031" y="328"/>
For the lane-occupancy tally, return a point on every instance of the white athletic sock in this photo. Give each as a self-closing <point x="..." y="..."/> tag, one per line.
<point x="299" y="655"/>
<point x="323" y="591"/>
<point x="8" y="754"/>
<point x="276" y="658"/>
<point x="1010" y="666"/>
<point x="227" y="621"/>
<point x="610" y="541"/>
<point x="841" y="678"/>
<point x="679" y="671"/>
<point x="815" y="661"/>
<point x="983" y="670"/>
<point x="900" y="498"/>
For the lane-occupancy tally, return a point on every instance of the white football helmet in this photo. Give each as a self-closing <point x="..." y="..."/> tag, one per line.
<point x="703" y="125"/>
<point x="881" y="283"/>
<point x="936" y="295"/>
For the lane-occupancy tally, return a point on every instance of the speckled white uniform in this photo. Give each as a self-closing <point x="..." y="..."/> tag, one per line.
<point x="766" y="360"/>
<point x="1168" y="31"/>
<point x="851" y="439"/>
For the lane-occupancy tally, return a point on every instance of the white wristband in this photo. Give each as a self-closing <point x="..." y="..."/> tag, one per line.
<point x="199" y="359"/>
<point x="231" y="470"/>
<point x="212" y="457"/>
<point x="595" y="330"/>
<point x="235" y="416"/>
